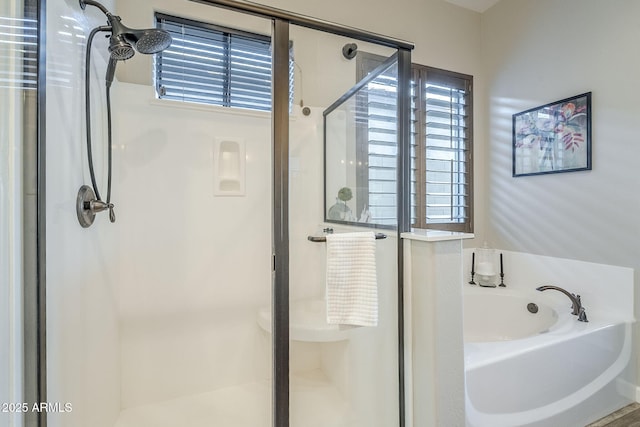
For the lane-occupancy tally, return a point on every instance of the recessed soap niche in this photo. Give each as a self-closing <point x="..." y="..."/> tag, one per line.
<point x="229" y="162"/>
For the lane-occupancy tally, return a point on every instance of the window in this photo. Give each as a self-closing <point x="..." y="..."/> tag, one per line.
<point x="441" y="149"/>
<point x="215" y="65"/>
<point x="442" y="146"/>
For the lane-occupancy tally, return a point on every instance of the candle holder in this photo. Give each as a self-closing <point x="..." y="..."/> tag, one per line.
<point x="486" y="269"/>
<point x="473" y="266"/>
<point x="502" y="285"/>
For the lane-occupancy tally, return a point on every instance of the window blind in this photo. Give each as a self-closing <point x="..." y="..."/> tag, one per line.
<point x="215" y="65"/>
<point x="18" y="53"/>
<point x="446" y="104"/>
<point x="382" y="143"/>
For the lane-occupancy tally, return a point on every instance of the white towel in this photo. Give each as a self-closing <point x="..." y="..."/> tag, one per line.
<point x="352" y="289"/>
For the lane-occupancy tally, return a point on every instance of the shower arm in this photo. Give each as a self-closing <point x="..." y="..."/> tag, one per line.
<point x="84" y="3"/>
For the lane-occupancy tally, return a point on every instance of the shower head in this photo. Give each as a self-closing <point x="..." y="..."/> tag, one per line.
<point x="120" y="49"/>
<point x="125" y="39"/>
<point x="147" y="41"/>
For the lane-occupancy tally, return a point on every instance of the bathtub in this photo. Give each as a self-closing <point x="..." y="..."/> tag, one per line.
<point x="541" y="368"/>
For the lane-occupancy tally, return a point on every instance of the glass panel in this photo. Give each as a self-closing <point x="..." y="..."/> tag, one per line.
<point x="18" y="83"/>
<point x="161" y="319"/>
<point x="341" y="376"/>
<point x="361" y="151"/>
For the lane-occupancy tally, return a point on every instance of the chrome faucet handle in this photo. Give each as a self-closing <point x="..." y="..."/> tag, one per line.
<point x="96" y="206"/>
<point x="582" y="315"/>
<point x="577" y="305"/>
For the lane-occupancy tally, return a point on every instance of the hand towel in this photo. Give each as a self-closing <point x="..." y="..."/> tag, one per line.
<point x="351" y="288"/>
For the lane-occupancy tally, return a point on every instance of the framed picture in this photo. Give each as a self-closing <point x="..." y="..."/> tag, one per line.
<point x="553" y="138"/>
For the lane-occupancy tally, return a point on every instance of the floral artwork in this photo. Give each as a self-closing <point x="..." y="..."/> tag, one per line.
<point x="555" y="137"/>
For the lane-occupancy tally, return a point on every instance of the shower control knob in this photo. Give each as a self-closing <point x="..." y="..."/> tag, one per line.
<point x="112" y="215"/>
<point x="87" y="206"/>
<point x="96" y="206"/>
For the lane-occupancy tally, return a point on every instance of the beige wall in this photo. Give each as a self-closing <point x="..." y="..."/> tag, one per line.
<point x="538" y="52"/>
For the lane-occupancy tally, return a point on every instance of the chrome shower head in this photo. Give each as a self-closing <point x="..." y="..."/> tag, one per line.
<point x="120" y="49"/>
<point x="149" y="41"/>
<point x="125" y="39"/>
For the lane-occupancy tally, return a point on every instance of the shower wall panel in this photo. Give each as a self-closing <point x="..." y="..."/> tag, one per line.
<point x="195" y="266"/>
<point x="82" y="328"/>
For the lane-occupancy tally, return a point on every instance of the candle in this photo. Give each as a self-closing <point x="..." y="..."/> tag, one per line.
<point x="485" y="269"/>
<point x="473" y="262"/>
<point x="501" y="268"/>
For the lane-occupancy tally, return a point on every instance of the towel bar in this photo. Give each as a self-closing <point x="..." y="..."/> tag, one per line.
<point x="324" y="238"/>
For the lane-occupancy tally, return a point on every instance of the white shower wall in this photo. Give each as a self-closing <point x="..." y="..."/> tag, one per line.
<point x="194" y="267"/>
<point x="82" y="322"/>
<point x="82" y="327"/>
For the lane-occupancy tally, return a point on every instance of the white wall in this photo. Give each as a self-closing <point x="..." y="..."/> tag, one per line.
<point x="82" y="329"/>
<point x="542" y="51"/>
<point x="435" y="330"/>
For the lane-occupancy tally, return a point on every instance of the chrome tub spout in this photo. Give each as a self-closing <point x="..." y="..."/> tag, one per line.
<point x="576" y="303"/>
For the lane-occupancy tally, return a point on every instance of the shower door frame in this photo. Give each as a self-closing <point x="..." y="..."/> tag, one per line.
<point x="281" y="20"/>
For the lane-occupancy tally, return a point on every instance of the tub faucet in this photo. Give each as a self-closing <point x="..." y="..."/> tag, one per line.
<point x="576" y="303"/>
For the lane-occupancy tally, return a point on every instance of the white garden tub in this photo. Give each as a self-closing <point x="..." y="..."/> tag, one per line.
<point x="543" y="368"/>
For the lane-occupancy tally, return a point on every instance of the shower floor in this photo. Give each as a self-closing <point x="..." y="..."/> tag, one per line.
<point x="315" y="402"/>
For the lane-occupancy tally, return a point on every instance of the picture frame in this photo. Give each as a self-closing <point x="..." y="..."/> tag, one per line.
<point x="553" y="138"/>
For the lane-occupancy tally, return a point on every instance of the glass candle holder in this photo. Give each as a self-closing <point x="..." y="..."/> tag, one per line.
<point x="485" y="267"/>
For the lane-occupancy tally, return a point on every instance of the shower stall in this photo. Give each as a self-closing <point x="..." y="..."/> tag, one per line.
<point x="203" y="304"/>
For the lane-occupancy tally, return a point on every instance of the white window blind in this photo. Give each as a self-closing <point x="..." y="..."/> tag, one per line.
<point x="447" y="156"/>
<point x="18" y="53"/>
<point x="215" y="65"/>
<point x="382" y="147"/>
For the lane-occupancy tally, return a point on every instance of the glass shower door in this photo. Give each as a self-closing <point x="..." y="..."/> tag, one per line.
<point x="342" y="375"/>
<point x="18" y="202"/>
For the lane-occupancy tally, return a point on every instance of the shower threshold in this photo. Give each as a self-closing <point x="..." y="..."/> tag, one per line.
<point x="315" y="402"/>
